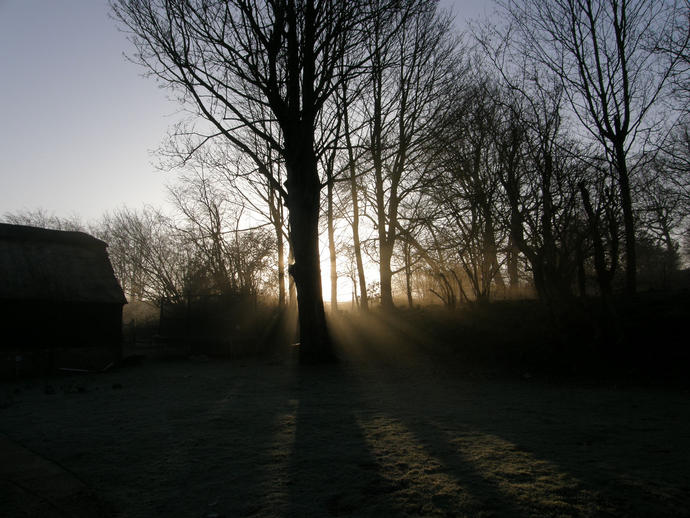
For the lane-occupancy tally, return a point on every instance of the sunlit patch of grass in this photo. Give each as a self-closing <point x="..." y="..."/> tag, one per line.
<point x="533" y="484"/>
<point x="421" y="483"/>
<point x="470" y="473"/>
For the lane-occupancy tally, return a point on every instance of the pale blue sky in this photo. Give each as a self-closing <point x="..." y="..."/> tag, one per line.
<point x="78" y="123"/>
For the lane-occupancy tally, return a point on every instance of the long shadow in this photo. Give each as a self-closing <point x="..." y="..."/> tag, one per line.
<point x="184" y="438"/>
<point x="489" y="494"/>
<point x="593" y="451"/>
<point x="177" y="439"/>
<point x="626" y="451"/>
<point x="332" y="470"/>
<point x="416" y="455"/>
<point x="245" y="439"/>
<point x="312" y="441"/>
<point x="228" y="455"/>
<point x="629" y="449"/>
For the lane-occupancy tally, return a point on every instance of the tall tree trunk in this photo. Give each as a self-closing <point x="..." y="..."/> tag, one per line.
<point x="281" y="268"/>
<point x="628" y="220"/>
<point x="385" y="237"/>
<point x="512" y="264"/>
<point x="303" y="185"/>
<point x="364" y="298"/>
<point x="354" y="193"/>
<point x="277" y="217"/>
<point x="549" y="274"/>
<point x="292" y="291"/>
<point x="331" y="249"/>
<point x="408" y="274"/>
<point x="386" y="253"/>
<point x="303" y="204"/>
<point x="385" y="249"/>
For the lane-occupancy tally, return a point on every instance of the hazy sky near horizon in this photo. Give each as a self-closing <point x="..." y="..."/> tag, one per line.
<point x="79" y="125"/>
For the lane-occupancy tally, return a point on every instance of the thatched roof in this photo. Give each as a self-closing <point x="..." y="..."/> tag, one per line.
<point x="53" y="265"/>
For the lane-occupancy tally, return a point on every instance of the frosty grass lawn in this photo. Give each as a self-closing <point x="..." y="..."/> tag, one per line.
<point x="268" y="438"/>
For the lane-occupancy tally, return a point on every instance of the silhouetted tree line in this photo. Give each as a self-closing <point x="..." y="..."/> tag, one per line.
<point x="547" y="151"/>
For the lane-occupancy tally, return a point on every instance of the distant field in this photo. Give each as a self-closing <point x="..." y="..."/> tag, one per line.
<point x="384" y="434"/>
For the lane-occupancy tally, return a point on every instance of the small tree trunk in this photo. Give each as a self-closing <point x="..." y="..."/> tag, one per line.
<point x="604" y="275"/>
<point x="538" y="279"/>
<point x="364" y="298"/>
<point x="354" y="293"/>
<point x="581" y="275"/>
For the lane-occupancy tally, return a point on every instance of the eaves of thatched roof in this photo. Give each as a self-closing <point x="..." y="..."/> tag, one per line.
<point x="38" y="264"/>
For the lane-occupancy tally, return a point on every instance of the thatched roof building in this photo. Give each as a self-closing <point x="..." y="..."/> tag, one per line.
<point x="58" y="293"/>
<point x="54" y="265"/>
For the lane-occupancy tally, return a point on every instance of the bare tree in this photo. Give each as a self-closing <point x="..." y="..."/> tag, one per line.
<point x="602" y="51"/>
<point x="674" y="45"/>
<point x="673" y="162"/>
<point x="603" y="228"/>
<point x="467" y="191"/>
<point x="541" y="187"/>
<point x="205" y="210"/>
<point x="328" y="165"/>
<point x="349" y="133"/>
<point x="410" y="71"/>
<point x="662" y="212"/>
<point x="41" y="218"/>
<point x="237" y="176"/>
<point x="148" y="257"/>
<point x="245" y="66"/>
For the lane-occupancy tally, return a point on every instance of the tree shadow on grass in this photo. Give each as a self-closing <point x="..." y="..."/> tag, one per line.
<point x="332" y="470"/>
<point x="175" y="439"/>
<point x="415" y="459"/>
<point x="627" y="449"/>
<point x="526" y="447"/>
<point x="220" y="442"/>
<point x="220" y="456"/>
<point x="499" y="479"/>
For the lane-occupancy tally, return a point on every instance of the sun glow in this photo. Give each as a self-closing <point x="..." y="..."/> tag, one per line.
<point x="346" y="287"/>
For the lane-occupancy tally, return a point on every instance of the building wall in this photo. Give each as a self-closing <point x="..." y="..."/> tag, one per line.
<point x="41" y="337"/>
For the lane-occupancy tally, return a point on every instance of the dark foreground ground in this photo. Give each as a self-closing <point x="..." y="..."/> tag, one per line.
<point x="390" y="432"/>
